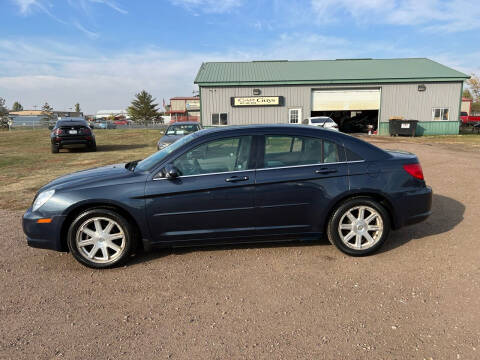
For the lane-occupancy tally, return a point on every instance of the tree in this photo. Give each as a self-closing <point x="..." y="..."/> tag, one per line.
<point x="47" y="112"/>
<point x="467" y="94"/>
<point x="474" y="85"/>
<point x="17" y="106"/>
<point x="143" y="108"/>
<point x="77" y="108"/>
<point x="3" y="114"/>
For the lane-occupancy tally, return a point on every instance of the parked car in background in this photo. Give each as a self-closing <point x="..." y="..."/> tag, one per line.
<point x="233" y="185"/>
<point x="67" y="133"/>
<point x="122" y="122"/>
<point x="323" y="121"/>
<point x="177" y="131"/>
<point x="469" y="120"/>
<point x="104" y="125"/>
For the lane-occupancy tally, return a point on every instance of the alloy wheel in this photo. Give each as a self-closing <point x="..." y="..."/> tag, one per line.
<point x="360" y="227"/>
<point x="100" y="240"/>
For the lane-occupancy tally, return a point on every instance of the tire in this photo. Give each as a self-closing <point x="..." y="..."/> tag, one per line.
<point x="92" y="147"/>
<point x="84" y="236"/>
<point x="55" y="149"/>
<point x="357" y="235"/>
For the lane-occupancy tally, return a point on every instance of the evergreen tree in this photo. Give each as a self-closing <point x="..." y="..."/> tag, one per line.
<point x="17" y="106"/>
<point x="77" y="108"/>
<point x="3" y="114"/>
<point x="47" y="112"/>
<point x="143" y="108"/>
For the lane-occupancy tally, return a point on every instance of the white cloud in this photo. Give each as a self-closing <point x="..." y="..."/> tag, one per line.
<point x="39" y="70"/>
<point x="433" y="15"/>
<point x="26" y="5"/>
<point x="208" y="6"/>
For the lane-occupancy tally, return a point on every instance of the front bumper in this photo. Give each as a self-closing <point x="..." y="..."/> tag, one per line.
<point x="44" y="236"/>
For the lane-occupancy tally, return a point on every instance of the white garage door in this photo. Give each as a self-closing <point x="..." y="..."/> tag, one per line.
<point x="338" y="100"/>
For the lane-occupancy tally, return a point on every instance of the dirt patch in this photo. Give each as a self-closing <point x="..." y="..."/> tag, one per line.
<point x="416" y="299"/>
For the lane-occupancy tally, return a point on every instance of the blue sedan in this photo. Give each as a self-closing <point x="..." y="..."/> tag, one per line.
<point x="233" y="185"/>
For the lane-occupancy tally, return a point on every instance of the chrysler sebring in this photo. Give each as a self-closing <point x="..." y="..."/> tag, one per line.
<point x="233" y="185"/>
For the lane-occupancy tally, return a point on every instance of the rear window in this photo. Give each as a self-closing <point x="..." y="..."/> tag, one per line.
<point x="71" y="123"/>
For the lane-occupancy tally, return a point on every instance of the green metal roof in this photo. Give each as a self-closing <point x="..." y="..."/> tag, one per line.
<point x="325" y="72"/>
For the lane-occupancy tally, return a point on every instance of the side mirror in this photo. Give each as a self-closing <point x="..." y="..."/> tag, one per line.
<point x="171" y="172"/>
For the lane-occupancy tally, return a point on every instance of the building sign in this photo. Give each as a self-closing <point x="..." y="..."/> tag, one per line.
<point x="257" y="101"/>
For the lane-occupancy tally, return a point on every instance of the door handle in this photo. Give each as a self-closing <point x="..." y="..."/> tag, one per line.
<point x="236" y="178"/>
<point x="325" y="171"/>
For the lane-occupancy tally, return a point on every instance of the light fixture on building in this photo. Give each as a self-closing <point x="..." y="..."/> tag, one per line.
<point x="257" y="91"/>
<point x="422" y="87"/>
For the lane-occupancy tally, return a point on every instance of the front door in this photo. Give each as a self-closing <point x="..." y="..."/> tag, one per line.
<point x="213" y="198"/>
<point x="296" y="182"/>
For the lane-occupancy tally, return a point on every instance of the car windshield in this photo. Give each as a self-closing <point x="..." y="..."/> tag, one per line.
<point x="150" y="162"/>
<point x="319" y="120"/>
<point x="181" y="129"/>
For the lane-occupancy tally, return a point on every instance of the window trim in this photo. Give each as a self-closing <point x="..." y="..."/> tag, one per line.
<point x="442" y="110"/>
<point x="219" y="118"/>
<point x="300" y="111"/>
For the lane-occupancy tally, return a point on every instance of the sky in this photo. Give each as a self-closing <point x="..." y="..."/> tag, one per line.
<point x="100" y="53"/>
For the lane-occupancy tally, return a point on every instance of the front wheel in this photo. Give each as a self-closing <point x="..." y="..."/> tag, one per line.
<point x="100" y="238"/>
<point x="359" y="226"/>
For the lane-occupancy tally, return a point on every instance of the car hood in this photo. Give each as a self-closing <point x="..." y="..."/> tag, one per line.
<point x="169" y="139"/>
<point x="88" y="177"/>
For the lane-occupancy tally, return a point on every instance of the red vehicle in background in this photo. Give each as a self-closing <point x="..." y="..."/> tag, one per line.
<point x="469" y="120"/>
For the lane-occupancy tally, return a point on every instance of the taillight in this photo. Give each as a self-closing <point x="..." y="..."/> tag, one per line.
<point x="85" y="131"/>
<point x="58" y="131"/>
<point x="415" y="170"/>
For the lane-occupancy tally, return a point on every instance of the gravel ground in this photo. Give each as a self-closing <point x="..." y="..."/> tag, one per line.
<point x="419" y="298"/>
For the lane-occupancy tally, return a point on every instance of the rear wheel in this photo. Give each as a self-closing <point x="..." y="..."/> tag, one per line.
<point x="101" y="238"/>
<point x="93" y="147"/>
<point x="55" y="149"/>
<point x="359" y="226"/>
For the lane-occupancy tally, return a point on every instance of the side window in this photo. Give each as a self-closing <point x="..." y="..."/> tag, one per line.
<point x="351" y="156"/>
<point x="291" y="151"/>
<point x="331" y="152"/>
<point x="216" y="156"/>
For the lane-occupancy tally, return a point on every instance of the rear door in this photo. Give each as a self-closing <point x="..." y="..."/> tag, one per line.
<point x="296" y="180"/>
<point x="212" y="199"/>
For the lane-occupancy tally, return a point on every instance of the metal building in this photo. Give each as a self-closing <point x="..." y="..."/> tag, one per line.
<point x="353" y="92"/>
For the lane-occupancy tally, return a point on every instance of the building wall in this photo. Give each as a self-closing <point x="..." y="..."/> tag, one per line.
<point x="396" y="100"/>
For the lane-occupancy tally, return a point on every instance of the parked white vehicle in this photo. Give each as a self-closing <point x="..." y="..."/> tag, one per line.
<point x="323" y="121"/>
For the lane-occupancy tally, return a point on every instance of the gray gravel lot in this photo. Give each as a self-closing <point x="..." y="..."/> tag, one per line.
<point x="419" y="298"/>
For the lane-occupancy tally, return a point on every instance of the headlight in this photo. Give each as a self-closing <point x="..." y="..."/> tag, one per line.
<point x="42" y="198"/>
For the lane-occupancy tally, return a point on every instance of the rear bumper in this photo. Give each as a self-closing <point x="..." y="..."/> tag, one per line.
<point x="414" y="207"/>
<point x="75" y="141"/>
<point x="44" y="236"/>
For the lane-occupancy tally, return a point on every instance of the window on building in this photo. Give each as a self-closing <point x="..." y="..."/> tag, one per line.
<point x="440" y="113"/>
<point x="220" y="119"/>
<point x="294" y="116"/>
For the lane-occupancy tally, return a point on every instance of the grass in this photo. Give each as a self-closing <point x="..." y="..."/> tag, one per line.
<point x="26" y="163"/>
